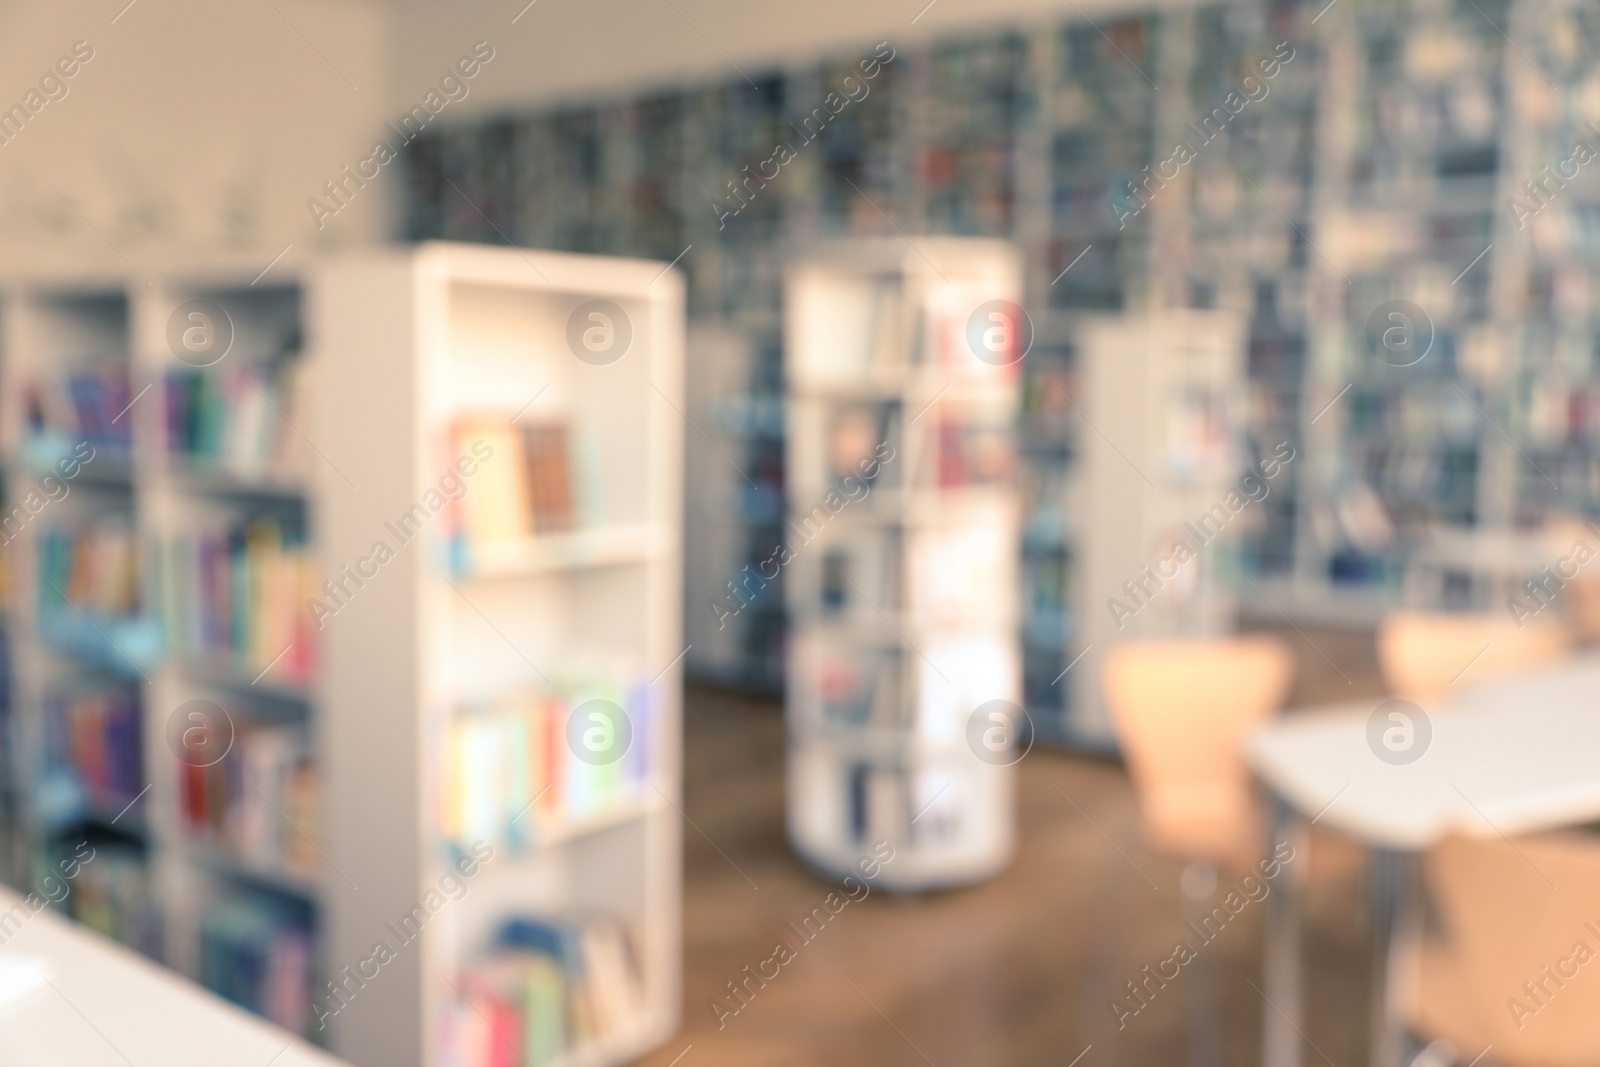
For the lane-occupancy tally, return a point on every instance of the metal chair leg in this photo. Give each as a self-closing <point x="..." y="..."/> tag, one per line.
<point x="1198" y="888"/>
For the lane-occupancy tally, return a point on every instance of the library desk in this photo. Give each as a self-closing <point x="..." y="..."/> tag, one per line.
<point x="1509" y="757"/>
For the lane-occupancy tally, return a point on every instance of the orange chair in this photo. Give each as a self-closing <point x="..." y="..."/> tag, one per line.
<point x="1422" y="654"/>
<point x="1182" y="710"/>
<point x="1505" y="970"/>
<point x="1583" y="607"/>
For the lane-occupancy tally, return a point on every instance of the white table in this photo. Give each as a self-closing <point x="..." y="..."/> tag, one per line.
<point x="106" y="1006"/>
<point x="1510" y="757"/>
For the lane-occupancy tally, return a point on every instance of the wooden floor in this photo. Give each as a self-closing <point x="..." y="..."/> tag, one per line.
<point x="1020" y="970"/>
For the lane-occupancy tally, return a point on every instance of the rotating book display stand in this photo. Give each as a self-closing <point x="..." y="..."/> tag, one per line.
<point x="900" y="561"/>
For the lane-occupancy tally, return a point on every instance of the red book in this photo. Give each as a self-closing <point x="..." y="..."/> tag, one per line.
<point x="194" y="794"/>
<point x="549" y="477"/>
<point x="952" y="457"/>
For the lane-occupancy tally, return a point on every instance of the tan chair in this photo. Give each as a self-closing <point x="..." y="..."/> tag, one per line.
<point x="1181" y="710"/>
<point x="1583" y="607"/>
<point x="1503" y="925"/>
<point x="1422" y="653"/>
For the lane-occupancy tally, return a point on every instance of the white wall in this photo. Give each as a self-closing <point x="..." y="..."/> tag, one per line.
<point x="571" y="49"/>
<point x="197" y="126"/>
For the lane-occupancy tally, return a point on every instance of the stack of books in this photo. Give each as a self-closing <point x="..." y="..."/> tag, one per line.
<point x="83" y="405"/>
<point x="256" y="951"/>
<point x="500" y="758"/>
<point x="242" y="596"/>
<point x="526" y="487"/>
<point x="239" y="420"/>
<point x="259" y="802"/>
<point x="96" y="738"/>
<point x="544" y="988"/>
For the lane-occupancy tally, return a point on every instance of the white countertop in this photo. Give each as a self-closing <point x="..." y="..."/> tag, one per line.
<point x="106" y="1005"/>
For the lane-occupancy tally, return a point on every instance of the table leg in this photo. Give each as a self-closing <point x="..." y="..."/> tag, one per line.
<point x="1280" y="1029"/>
<point x="1395" y="915"/>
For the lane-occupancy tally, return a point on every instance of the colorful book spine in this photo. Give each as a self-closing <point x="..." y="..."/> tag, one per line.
<point x="242" y="596"/>
<point x="970" y="453"/>
<point x="507" y="765"/>
<point x="544" y="989"/>
<point x="93" y="569"/>
<point x="113" y="893"/>
<point x="96" y="738"/>
<point x="535" y="482"/>
<point x="88" y="405"/>
<point x="259" y="802"/>
<point x="549" y="477"/>
<point x="257" y="952"/>
<point x="240" y="420"/>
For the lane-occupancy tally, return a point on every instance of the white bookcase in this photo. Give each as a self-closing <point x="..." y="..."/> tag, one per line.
<point x="1163" y="445"/>
<point x="397" y="351"/>
<point x="903" y="532"/>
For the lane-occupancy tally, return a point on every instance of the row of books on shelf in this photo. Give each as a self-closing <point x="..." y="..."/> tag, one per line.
<point x="972" y="454"/>
<point x="544" y="988"/>
<point x="243" y="590"/>
<point x="506" y="766"/>
<point x="259" y="801"/>
<point x="239" y="420"/>
<point x="923" y="804"/>
<point x="839" y="686"/>
<point x="95" y="739"/>
<point x="89" y="404"/>
<point x="931" y="801"/>
<point x="960" y="328"/>
<point x="258" y="951"/>
<point x="92" y="567"/>
<point x="527" y="480"/>
<point x="955" y="577"/>
<point x="864" y="445"/>
<point x="111" y="892"/>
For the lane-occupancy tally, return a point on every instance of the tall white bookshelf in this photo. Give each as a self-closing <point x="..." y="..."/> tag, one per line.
<point x="1163" y="447"/>
<point x="373" y="371"/>
<point x="904" y="665"/>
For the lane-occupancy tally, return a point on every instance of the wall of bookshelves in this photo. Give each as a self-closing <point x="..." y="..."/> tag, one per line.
<point x="1377" y="165"/>
<point x="1028" y="133"/>
<point x="343" y="607"/>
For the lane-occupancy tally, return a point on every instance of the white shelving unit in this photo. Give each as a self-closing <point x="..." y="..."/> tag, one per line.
<point x="903" y="532"/>
<point x="1163" y="394"/>
<point x="410" y="342"/>
<point x="397" y="350"/>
